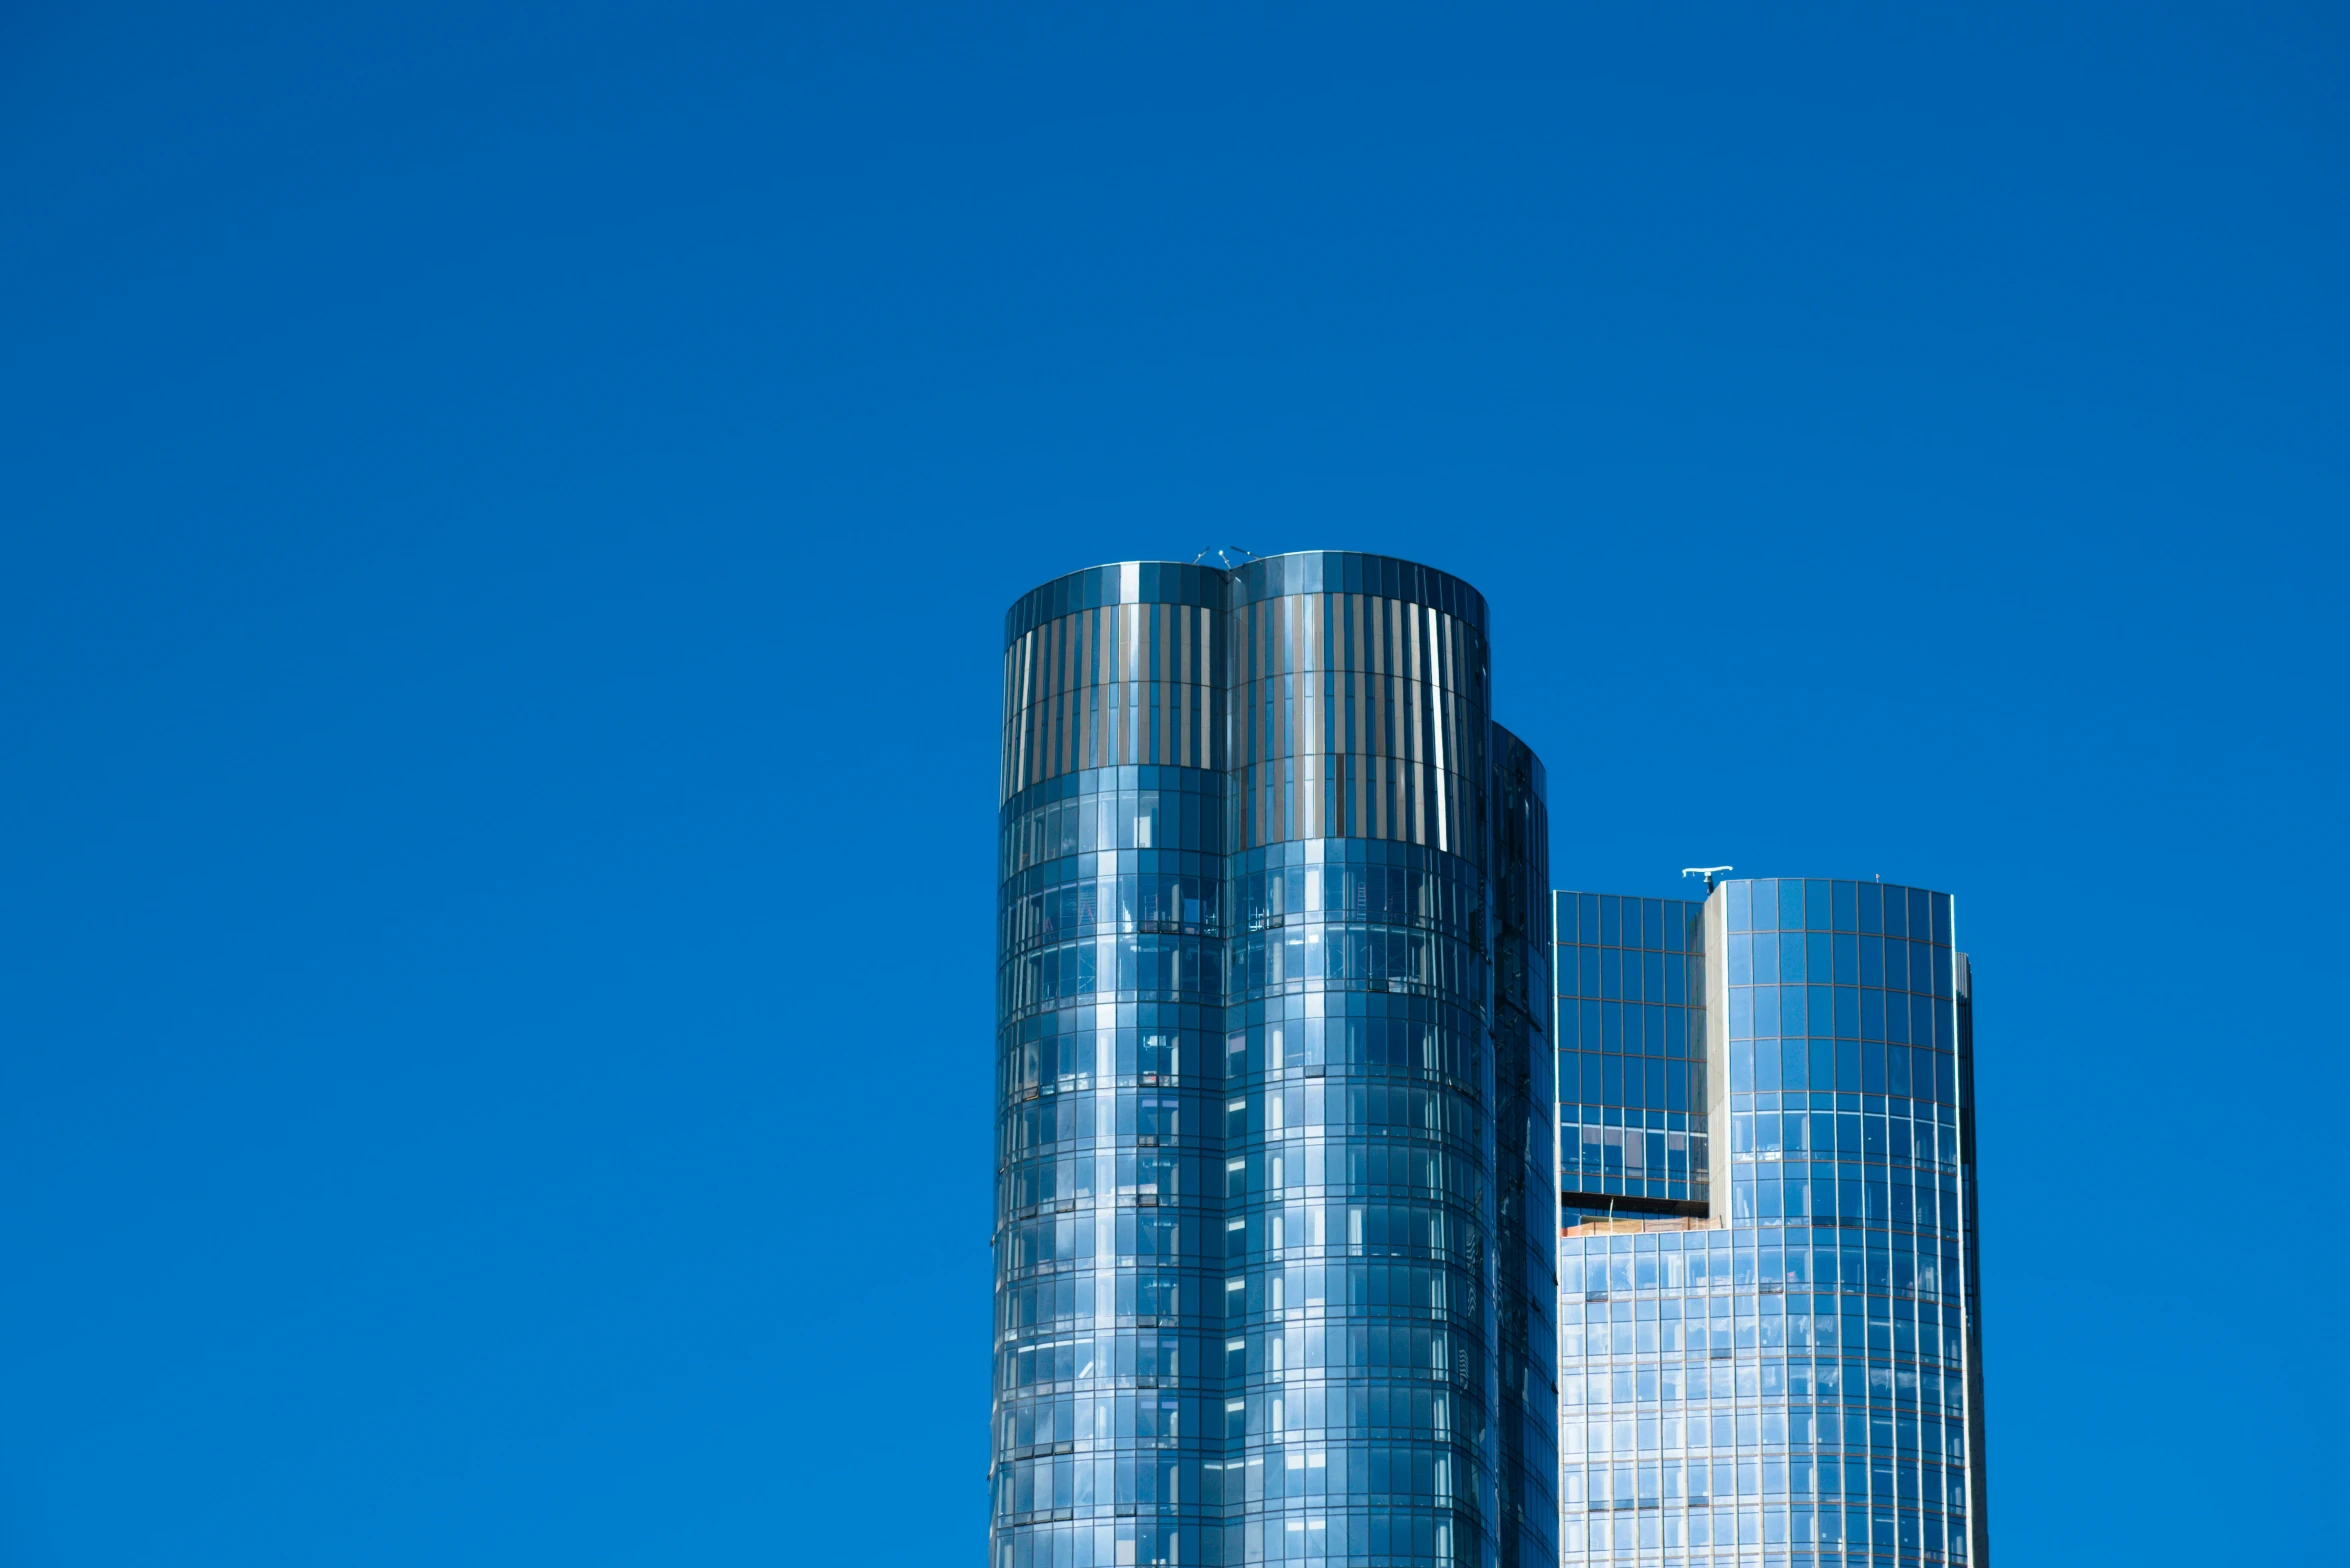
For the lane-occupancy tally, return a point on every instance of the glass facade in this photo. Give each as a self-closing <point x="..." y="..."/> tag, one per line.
<point x="1773" y="1358"/>
<point x="1631" y="1039"/>
<point x="1275" y="1193"/>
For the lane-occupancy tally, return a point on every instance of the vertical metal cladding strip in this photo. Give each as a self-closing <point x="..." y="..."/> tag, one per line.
<point x="1080" y="634"/>
<point x="1443" y="696"/>
<point x="1113" y="686"/>
<point x="1063" y="673"/>
<point x="1089" y="672"/>
<point x="1204" y="676"/>
<point x="1106" y="1435"/>
<point x="1187" y="749"/>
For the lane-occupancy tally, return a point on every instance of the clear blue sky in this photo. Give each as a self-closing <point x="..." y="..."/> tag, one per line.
<point x="507" y="513"/>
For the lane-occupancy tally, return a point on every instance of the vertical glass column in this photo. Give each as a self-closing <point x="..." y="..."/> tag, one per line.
<point x="1109" y="1115"/>
<point x="1360" y="1149"/>
<point x="1526" y="1283"/>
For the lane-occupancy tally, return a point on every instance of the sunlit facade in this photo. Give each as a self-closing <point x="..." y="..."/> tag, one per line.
<point x="1301" y="1074"/>
<point x="1770" y="1352"/>
<point x="1275" y="1273"/>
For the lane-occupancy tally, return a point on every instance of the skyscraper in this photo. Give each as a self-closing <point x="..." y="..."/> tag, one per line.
<point x="1275" y="1203"/>
<point x="1770" y="1351"/>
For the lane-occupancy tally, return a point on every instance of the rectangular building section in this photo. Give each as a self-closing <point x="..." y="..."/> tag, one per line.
<point x="1632" y="1048"/>
<point x="1786" y="1373"/>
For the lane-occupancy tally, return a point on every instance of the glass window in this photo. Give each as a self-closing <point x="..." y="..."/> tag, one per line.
<point x="1791" y="957"/>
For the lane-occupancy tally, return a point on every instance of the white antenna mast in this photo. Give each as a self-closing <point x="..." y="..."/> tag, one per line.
<point x="1707" y="872"/>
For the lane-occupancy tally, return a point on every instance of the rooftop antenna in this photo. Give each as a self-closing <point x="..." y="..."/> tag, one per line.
<point x="1227" y="556"/>
<point x="1707" y="872"/>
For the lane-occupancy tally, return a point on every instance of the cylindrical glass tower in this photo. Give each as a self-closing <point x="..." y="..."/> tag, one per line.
<point x="1109" y="1071"/>
<point x="1353" y="1289"/>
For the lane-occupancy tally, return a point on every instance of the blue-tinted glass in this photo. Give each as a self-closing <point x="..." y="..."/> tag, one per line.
<point x="1736" y="906"/>
<point x="1872" y="911"/>
<point x="1891" y="1209"/>
<point x="1791" y="1009"/>
<point x="1790" y="903"/>
<point x="1815" y="905"/>
<point x="1148" y="1004"/>
<point x="1896" y="911"/>
<point x="1845" y="906"/>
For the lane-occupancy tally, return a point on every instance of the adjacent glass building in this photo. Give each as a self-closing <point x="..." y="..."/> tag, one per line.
<point x="1275" y="1263"/>
<point x="1769" y="1346"/>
